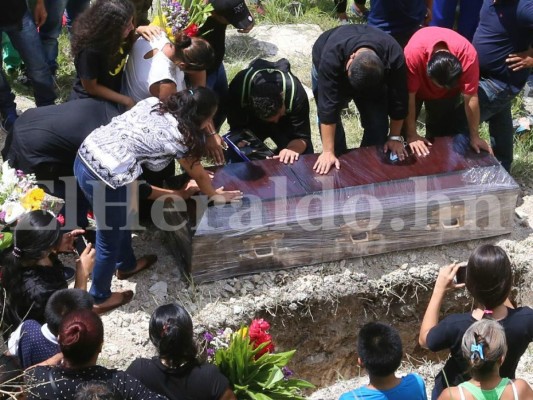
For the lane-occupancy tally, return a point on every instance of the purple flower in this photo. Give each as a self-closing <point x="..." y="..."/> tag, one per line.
<point x="287" y="373"/>
<point x="20" y="173"/>
<point x="208" y="337"/>
<point x="2" y="215"/>
<point x="210" y="352"/>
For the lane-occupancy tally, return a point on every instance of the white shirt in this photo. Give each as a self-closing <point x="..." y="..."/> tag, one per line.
<point x="143" y="71"/>
<point x="116" y="152"/>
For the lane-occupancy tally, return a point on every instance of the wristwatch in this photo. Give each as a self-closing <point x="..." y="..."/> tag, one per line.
<point x="396" y="138"/>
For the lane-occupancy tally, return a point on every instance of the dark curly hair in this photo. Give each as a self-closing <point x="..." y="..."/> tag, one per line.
<point x="191" y="108"/>
<point x="101" y="27"/>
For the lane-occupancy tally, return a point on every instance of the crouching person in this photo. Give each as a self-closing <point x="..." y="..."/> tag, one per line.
<point x="270" y="101"/>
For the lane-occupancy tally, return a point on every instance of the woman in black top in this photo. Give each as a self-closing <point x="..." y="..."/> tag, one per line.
<point x="81" y="337"/>
<point x="30" y="270"/>
<point x="176" y="372"/>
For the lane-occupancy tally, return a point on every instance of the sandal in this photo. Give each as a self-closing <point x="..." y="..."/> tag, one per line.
<point x="143" y="263"/>
<point x="116" y="300"/>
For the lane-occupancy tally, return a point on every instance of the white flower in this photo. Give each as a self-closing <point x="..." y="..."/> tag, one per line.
<point x="9" y="175"/>
<point x="13" y="211"/>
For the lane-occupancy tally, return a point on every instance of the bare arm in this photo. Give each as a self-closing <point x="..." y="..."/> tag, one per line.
<point x="163" y="89"/>
<point x="418" y="144"/>
<point x="95" y="89"/>
<point x="327" y="159"/>
<point x="472" y="116"/>
<point x="442" y="285"/>
<point x="197" y="78"/>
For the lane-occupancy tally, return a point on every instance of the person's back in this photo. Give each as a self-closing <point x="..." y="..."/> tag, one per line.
<point x="484" y="345"/>
<point x="380" y="352"/>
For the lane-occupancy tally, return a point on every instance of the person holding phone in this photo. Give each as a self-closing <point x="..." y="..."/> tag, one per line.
<point x="489" y="279"/>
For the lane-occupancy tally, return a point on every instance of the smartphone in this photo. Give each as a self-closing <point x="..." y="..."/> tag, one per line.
<point x="460" y="276"/>
<point x="80" y="244"/>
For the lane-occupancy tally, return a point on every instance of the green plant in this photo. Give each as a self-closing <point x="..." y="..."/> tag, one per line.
<point x="246" y="358"/>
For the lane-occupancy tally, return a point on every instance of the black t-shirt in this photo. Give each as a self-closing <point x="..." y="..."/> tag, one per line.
<point x="201" y="382"/>
<point x="448" y="334"/>
<point x="95" y="64"/>
<point x="57" y="383"/>
<point x="215" y="33"/>
<point x="51" y="135"/>
<point x="332" y="51"/>
<point x="294" y="125"/>
<point x="12" y="11"/>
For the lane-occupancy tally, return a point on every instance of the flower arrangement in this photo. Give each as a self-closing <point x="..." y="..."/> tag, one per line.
<point x="247" y="359"/>
<point x="182" y="16"/>
<point x="19" y="194"/>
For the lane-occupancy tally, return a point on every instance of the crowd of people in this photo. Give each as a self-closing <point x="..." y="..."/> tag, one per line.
<point x="142" y="100"/>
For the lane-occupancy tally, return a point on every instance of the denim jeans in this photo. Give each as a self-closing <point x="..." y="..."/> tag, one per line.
<point x="51" y="29"/>
<point x="113" y="238"/>
<point x="218" y="82"/>
<point x="26" y="42"/>
<point x="374" y="119"/>
<point x="495" y="102"/>
<point x="444" y="15"/>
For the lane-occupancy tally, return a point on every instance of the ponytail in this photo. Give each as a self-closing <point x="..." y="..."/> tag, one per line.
<point x="196" y="53"/>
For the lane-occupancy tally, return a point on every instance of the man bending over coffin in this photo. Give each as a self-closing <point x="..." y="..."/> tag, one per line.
<point x="441" y="66"/>
<point x="267" y="99"/>
<point x="364" y="64"/>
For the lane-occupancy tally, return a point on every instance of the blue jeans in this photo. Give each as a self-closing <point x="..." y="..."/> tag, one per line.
<point x="374" y="119"/>
<point x="26" y="41"/>
<point x="113" y="238"/>
<point x="218" y="82"/>
<point x="444" y="15"/>
<point x="51" y="29"/>
<point x="495" y="102"/>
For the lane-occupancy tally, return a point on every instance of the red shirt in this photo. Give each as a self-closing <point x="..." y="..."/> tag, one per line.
<point x="418" y="52"/>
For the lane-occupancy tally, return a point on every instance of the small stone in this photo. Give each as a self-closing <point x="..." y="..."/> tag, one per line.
<point x="293" y="306"/>
<point x="237" y="285"/>
<point x="159" y="289"/>
<point x="413" y="271"/>
<point x="347" y="272"/>
<point x="257" y="279"/>
<point x="412" y="257"/>
<point x="154" y="277"/>
<point x="238" y="310"/>
<point x="244" y="292"/>
<point x="342" y="264"/>
<point x="404" y="266"/>
<point x="228" y="288"/>
<point x="520" y="214"/>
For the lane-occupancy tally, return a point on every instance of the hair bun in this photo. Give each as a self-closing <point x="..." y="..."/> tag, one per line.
<point x="182" y="41"/>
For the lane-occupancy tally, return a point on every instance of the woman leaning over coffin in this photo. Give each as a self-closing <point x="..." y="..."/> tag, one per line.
<point x="153" y="133"/>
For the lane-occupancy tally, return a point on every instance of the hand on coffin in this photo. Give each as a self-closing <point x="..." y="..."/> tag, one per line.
<point x="445" y="281"/>
<point x="287" y="156"/>
<point x="324" y="163"/>
<point x="225" y="196"/>
<point x="215" y="149"/>
<point x="419" y="145"/>
<point x="396" y="148"/>
<point x="479" y="144"/>
<point x="66" y="245"/>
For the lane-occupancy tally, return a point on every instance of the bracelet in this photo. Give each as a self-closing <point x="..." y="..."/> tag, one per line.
<point x="396" y="138"/>
<point x="212" y="134"/>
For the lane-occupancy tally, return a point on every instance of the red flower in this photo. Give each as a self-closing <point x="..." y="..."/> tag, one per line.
<point x="61" y="219"/>
<point x="258" y="335"/>
<point x="191" y="30"/>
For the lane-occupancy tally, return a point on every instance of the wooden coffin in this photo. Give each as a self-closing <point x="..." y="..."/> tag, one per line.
<point x="291" y="216"/>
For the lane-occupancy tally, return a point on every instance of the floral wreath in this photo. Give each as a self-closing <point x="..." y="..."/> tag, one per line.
<point x="185" y="16"/>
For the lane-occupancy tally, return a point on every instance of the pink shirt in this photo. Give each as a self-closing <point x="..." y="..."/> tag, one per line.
<point x="418" y="52"/>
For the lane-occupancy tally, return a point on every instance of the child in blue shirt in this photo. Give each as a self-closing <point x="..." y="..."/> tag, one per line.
<point x="380" y="352"/>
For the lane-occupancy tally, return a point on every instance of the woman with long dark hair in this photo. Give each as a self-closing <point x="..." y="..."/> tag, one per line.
<point x="101" y="39"/>
<point x="152" y="134"/>
<point x="30" y="269"/>
<point x="489" y="279"/>
<point x="81" y="337"/>
<point x="176" y="371"/>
